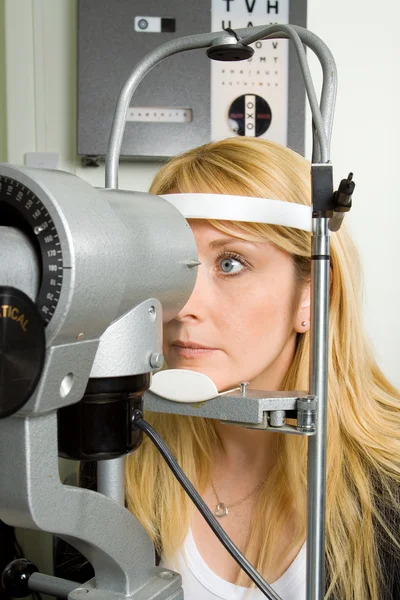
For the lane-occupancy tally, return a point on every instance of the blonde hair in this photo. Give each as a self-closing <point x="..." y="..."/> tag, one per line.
<point x="363" y="441"/>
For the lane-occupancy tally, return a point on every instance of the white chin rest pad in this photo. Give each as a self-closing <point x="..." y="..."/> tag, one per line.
<point x="182" y="385"/>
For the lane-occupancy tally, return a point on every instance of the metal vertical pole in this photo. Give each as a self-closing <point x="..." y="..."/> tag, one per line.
<point x="319" y="388"/>
<point x="110" y="479"/>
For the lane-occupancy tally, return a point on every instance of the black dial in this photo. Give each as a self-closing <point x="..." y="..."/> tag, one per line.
<point x="21" y="208"/>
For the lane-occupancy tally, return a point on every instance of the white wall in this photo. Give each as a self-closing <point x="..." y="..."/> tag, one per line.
<point x="364" y="41"/>
<point x="41" y="88"/>
<point x="3" y="119"/>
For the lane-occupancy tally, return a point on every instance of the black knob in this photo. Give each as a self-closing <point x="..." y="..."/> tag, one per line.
<point x="22" y="349"/>
<point x="16" y="576"/>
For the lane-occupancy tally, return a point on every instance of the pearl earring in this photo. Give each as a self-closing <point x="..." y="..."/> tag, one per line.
<point x="304" y="323"/>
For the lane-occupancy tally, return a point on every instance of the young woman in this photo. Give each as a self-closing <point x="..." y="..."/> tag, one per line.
<point x="248" y="319"/>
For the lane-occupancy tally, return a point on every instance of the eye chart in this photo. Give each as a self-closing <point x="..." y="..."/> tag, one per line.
<point x="251" y="97"/>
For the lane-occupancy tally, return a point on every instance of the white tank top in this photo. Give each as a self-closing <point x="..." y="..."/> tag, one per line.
<point x="199" y="582"/>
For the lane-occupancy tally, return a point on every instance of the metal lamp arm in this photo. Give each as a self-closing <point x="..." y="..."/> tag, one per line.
<point x="323" y="116"/>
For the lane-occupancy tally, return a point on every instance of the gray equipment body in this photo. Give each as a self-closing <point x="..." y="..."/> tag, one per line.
<point x="123" y="263"/>
<point x="124" y="267"/>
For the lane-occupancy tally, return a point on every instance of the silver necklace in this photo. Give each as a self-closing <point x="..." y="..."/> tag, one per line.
<point x="221" y="509"/>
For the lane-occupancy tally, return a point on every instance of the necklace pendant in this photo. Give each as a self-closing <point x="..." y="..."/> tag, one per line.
<point x="221" y="510"/>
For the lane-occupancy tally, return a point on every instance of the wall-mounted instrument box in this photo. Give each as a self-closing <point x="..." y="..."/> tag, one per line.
<point x="188" y="99"/>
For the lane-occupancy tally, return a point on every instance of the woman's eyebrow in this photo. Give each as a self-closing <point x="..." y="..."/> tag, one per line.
<point x="215" y="244"/>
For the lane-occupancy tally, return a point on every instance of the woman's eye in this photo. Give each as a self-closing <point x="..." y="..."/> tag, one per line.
<point x="230" y="265"/>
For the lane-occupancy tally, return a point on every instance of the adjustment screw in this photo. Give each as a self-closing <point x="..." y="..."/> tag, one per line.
<point x="156" y="360"/>
<point x="243" y="387"/>
<point x="167" y="575"/>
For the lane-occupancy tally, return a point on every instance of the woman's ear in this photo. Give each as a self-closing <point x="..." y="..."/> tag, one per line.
<point x="302" y="317"/>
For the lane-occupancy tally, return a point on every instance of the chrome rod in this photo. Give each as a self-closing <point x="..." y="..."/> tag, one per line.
<point x="316" y="487"/>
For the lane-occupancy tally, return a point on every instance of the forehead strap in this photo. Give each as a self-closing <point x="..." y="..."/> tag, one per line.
<point x="223" y="207"/>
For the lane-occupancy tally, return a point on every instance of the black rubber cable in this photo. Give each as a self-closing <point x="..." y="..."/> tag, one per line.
<point x="140" y="423"/>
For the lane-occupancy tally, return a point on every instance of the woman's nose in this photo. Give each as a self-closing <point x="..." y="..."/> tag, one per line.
<point x="196" y="307"/>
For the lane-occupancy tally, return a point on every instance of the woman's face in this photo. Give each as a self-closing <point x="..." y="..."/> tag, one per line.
<point x="241" y="321"/>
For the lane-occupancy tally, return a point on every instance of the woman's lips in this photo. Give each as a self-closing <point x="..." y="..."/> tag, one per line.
<point x="191" y="351"/>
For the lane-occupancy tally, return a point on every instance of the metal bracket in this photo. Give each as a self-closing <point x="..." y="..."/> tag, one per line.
<point x="253" y="409"/>
<point x="322" y="188"/>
